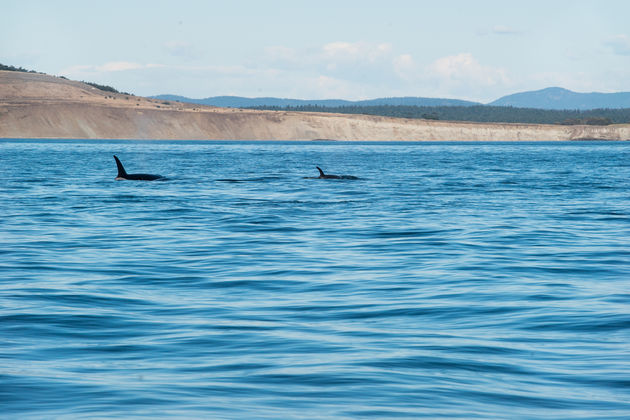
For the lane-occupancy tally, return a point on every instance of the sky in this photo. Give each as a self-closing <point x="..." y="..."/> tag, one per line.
<point x="344" y="49"/>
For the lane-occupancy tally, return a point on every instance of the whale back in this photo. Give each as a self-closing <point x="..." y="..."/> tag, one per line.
<point x="122" y="174"/>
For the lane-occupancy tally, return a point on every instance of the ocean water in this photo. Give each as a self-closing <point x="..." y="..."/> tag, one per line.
<point x="457" y="280"/>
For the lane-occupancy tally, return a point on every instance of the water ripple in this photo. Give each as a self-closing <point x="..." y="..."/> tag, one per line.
<point x="457" y="280"/>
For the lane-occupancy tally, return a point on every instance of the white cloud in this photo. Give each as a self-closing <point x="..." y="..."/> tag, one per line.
<point x="363" y="65"/>
<point x="334" y="70"/>
<point x="360" y="69"/>
<point x="340" y="49"/>
<point x="118" y="66"/>
<point x="464" y="68"/>
<point x="110" y="67"/>
<point x="329" y="87"/>
<point x="620" y="44"/>
<point x="332" y="56"/>
<point x="357" y="51"/>
<point x="404" y="66"/>
<point x="462" y="76"/>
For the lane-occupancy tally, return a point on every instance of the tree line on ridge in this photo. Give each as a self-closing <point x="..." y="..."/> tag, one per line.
<point x="476" y="113"/>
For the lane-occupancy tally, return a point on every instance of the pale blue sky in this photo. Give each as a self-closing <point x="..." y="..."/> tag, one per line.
<point x="477" y="50"/>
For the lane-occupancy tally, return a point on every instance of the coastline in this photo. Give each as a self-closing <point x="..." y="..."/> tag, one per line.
<point x="44" y="107"/>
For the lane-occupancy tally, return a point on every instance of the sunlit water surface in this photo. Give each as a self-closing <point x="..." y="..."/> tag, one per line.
<point x="455" y="280"/>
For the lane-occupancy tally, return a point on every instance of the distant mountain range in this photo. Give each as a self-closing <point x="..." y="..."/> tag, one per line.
<point x="241" y="102"/>
<point x="549" y="98"/>
<point x="559" y="98"/>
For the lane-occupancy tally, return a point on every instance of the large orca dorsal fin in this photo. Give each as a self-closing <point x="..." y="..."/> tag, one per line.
<point x="121" y="169"/>
<point x="321" y="173"/>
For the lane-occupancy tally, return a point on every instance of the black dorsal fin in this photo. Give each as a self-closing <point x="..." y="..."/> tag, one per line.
<point x="121" y="169"/>
<point x="321" y="173"/>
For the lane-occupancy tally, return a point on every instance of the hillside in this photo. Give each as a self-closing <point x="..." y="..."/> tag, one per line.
<point x="42" y="106"/>
<point x="479" y="113"/>
<point x="242" y="102"/>
<point x="559" y="98"/>
<point x="553" y="98"/>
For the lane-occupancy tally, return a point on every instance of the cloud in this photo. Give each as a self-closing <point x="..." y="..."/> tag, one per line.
<point x="404" y="66"/>
<point x="340" y="68"/>
<point x="349" y="70"/>
<point x="362" y="69"/>
<point x="620" y="44"/>
<point x="118" y="66"/>
<point x="357" y="51"/>
<point x="333" y="56"/>
<point x="329" y="87"/>
<point x="109" y="67"/>
<point x="505" y="30"/>
<point x="280" y="53"/>
<point x="465" y="68"/>
<point x="501" y="30"/>
<point x="462" y="76"/>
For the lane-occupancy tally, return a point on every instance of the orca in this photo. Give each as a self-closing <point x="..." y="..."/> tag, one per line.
<point x="322" y="175"/>
<point x="123" y="175"/>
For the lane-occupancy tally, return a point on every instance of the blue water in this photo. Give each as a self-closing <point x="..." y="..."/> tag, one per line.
<point x="458" y="280"/>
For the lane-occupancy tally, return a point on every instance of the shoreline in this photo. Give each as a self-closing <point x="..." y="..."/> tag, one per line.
<point x="304" y="141"/>
<point x="36" y="106"/>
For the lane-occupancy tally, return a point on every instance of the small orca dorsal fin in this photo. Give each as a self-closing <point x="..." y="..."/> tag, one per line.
<point x="321" y="173"/>
<point x="121" y="169"/>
